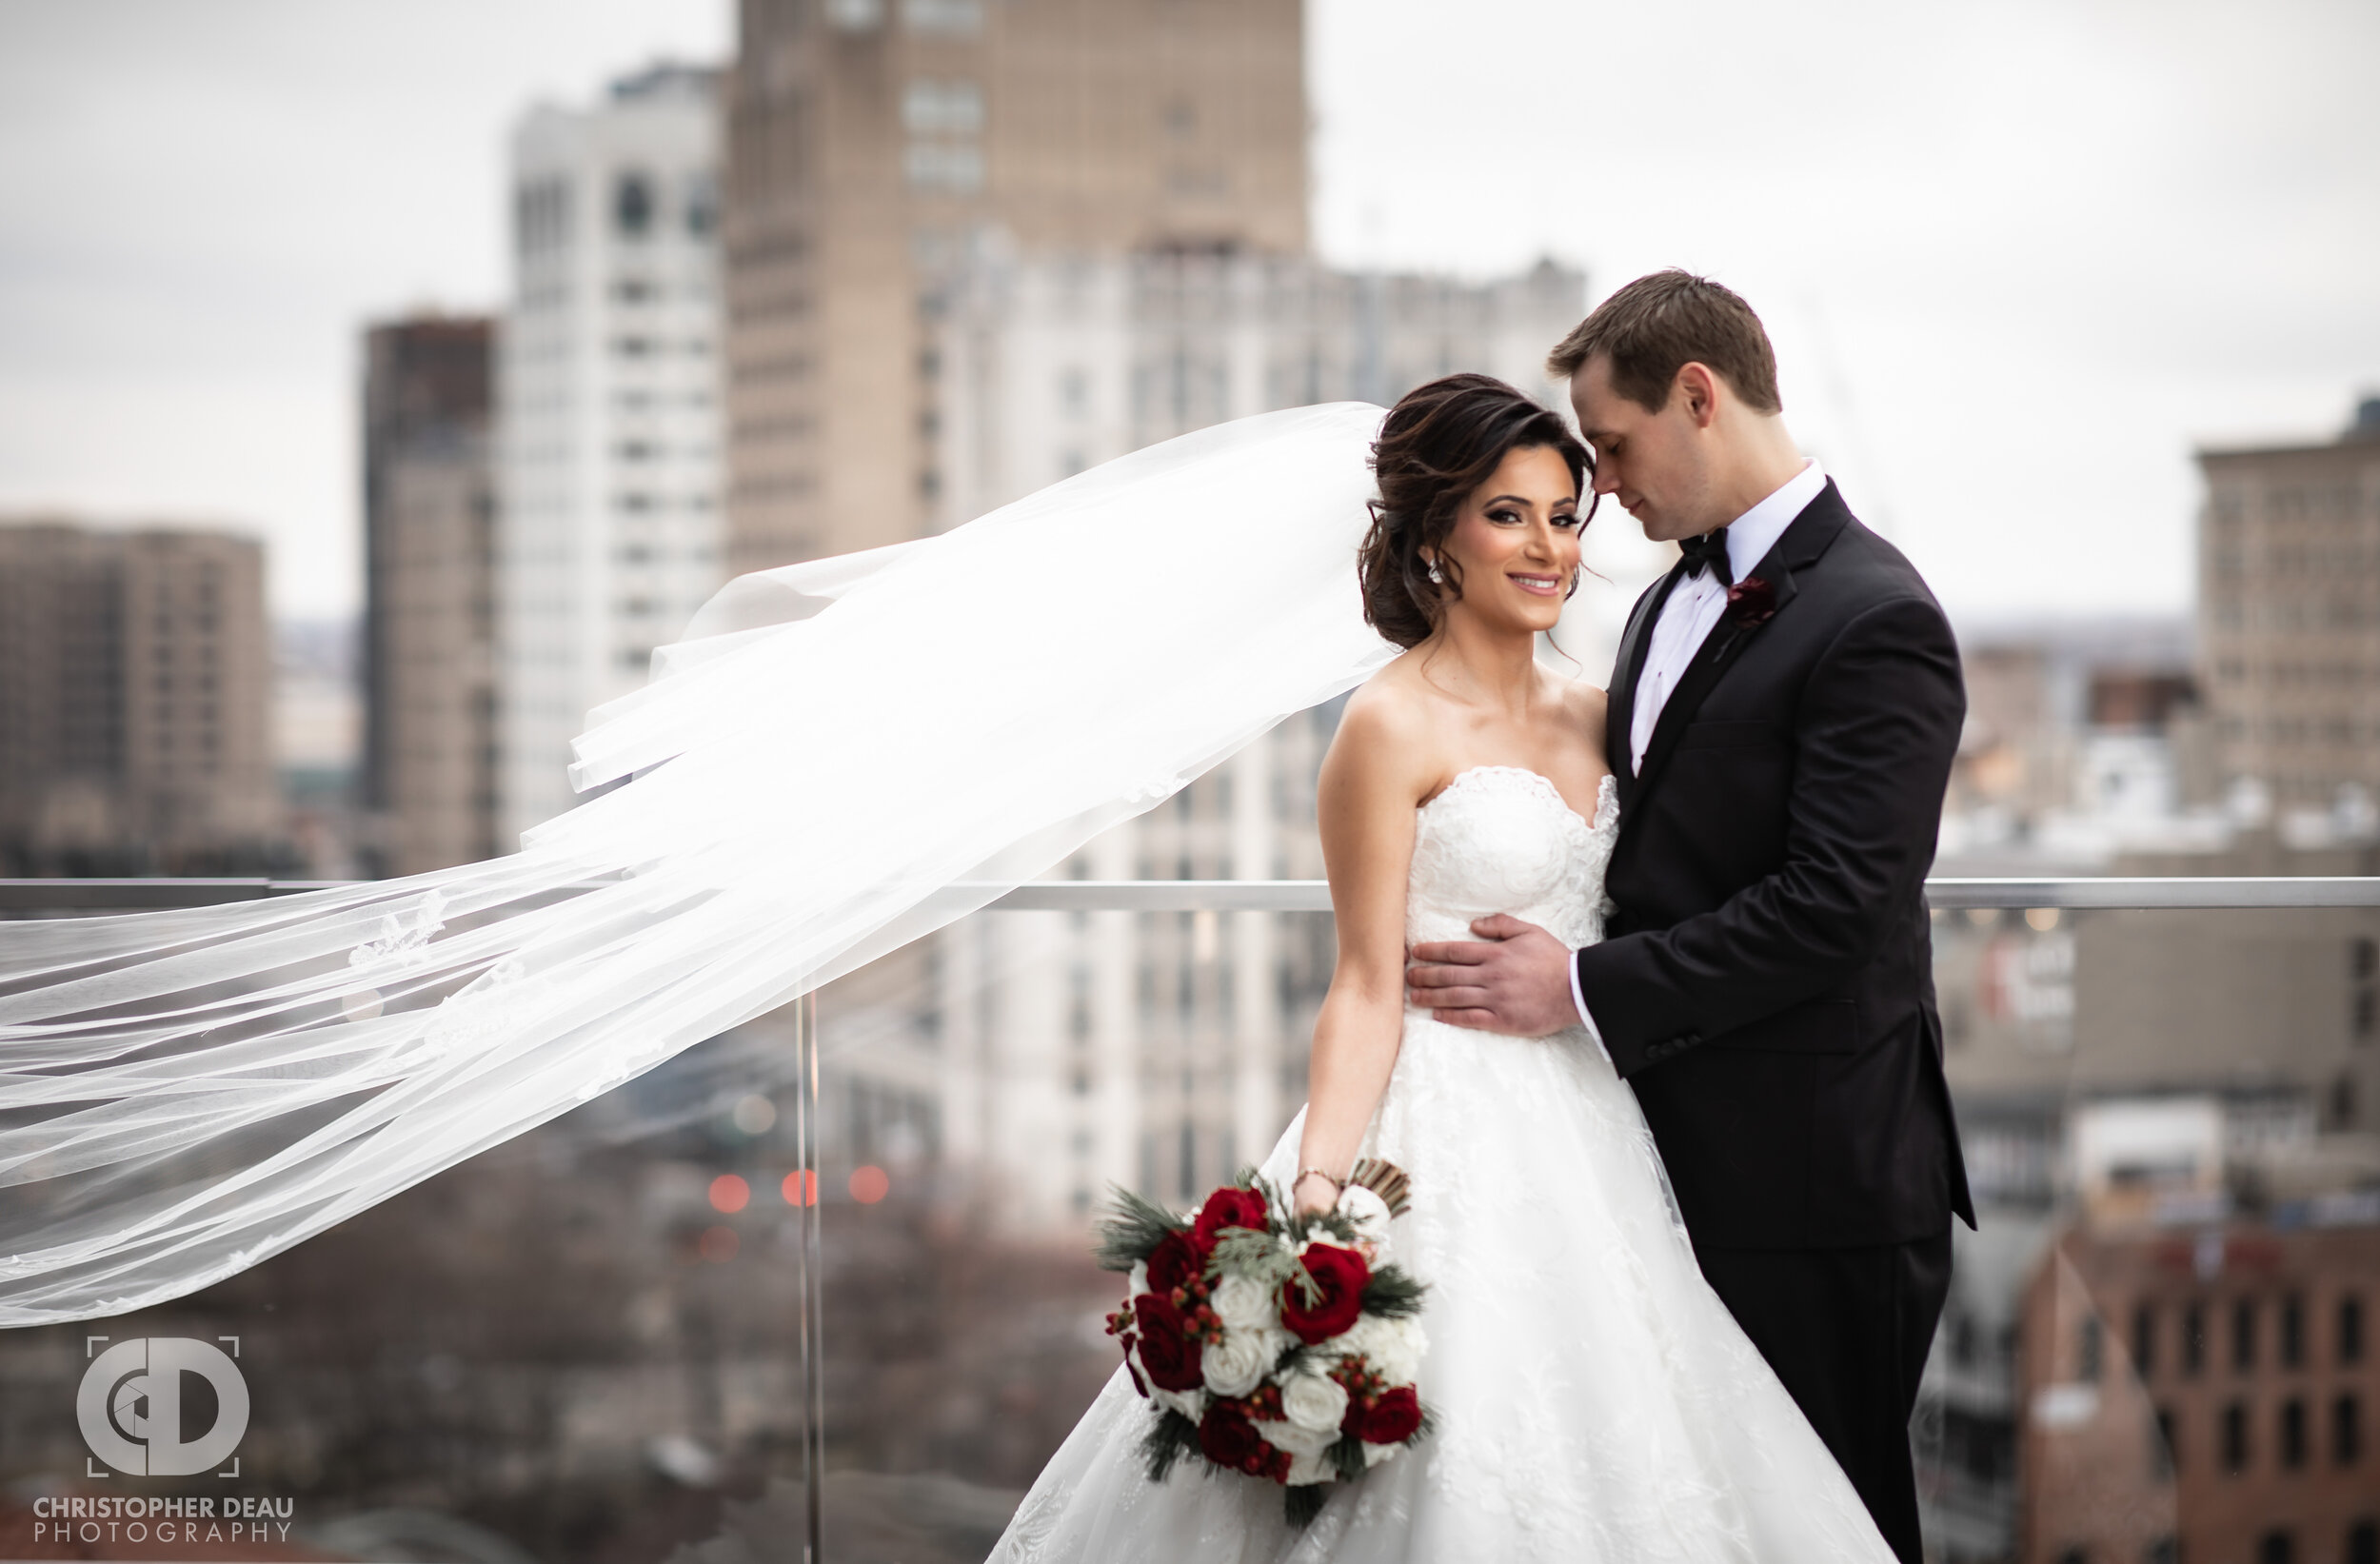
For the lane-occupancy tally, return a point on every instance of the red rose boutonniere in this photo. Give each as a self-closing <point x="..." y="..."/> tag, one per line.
<point x="1751" y="603"/>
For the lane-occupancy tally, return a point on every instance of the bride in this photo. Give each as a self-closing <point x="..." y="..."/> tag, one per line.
<point x="848" y="754"/>
<point x="1594" y="1398"/>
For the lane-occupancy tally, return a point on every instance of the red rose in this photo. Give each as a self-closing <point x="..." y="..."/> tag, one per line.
<point x="1751" y="602"/>
<point x="1168" y="1352"/>
<point x="1342" y="1275"/>
<point x="1178" y="1260"/>
<point x="1229" y="1440"/>
<point x="1230" y="1207"/>
<point x="1393" y="1418"/>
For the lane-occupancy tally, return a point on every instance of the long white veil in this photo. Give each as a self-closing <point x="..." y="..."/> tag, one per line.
<point x="842" y="757"/>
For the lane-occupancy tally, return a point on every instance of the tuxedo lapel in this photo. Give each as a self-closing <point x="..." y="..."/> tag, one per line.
<point x="1627" y="671"/>
<point x="1796" y="549"/>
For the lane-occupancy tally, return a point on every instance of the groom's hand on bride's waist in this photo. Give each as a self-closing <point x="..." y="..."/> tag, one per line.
<point x="1515" y="980"/>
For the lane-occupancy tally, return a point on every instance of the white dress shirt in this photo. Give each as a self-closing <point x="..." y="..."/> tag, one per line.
<point x="1687" y="620"/>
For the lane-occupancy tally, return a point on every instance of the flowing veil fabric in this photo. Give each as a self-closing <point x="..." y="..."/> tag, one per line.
<point x="842" y="757"/>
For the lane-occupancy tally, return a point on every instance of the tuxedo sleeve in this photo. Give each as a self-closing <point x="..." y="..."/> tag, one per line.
<point x="1874" y="739"/>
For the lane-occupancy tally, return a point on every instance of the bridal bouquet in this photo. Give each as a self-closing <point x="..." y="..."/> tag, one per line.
<point x="1272" y="1344"/>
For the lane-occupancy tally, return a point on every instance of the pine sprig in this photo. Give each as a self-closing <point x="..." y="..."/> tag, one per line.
<point x="1244" y="1251"/>
<point x="1303" y="1503"/>
<point x="1393" y="1292"/>
<point x="1132" y="1229"/>
<point x="1347" y="1456"/>
<point x="1172" y="1438"/>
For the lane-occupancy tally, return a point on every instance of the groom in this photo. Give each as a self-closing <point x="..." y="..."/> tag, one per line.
<point x="1783" y="713"/>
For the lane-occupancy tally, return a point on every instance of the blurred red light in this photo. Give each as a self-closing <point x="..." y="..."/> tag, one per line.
<point x="729" y="1193"/>
<point x="800" y="1188"/>
<point x="869" y="1185"/>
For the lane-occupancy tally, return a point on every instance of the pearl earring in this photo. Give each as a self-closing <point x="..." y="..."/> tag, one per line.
<point x="1436" y="580"/>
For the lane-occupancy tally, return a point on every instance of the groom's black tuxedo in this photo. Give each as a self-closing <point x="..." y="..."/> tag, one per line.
<point x="1766" y="984"/>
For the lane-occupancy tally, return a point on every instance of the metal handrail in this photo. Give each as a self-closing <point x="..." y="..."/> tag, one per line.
<point x="2093" y="892"/>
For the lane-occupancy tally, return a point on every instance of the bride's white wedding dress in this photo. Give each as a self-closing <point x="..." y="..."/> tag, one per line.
<point x="1594" y="1399"/>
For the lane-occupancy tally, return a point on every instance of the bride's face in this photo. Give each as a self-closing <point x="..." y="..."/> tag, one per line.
<point x="1515" y="540"/>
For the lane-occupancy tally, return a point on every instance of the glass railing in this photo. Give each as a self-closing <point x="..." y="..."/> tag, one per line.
<point x="820" y="1288"/>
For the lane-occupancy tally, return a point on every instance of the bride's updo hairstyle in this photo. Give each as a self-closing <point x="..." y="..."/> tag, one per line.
<point x="1441" y="440"/>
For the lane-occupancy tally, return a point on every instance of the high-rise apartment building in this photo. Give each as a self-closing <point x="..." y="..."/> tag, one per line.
<point x="429" y="655"/>
<point x="1054" y="363"/>
<point x="871" y="142"/>
<point x="609" y="533"/>
<point x="135" y="686"/>
<point x="2289" y="614"/>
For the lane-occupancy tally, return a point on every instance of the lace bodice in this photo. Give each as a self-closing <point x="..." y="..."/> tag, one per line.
<point x="1500" y="838"/>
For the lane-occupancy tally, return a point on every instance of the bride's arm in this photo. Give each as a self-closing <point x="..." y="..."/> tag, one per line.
<point x="1371" y="781"/>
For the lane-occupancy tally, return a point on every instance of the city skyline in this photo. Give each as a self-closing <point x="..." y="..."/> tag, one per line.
<point x="2154" y="209"/>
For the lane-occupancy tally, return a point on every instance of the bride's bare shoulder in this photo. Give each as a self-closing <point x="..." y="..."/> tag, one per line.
<point x="1585" y="705"/>
<point x="1390" y="725"/>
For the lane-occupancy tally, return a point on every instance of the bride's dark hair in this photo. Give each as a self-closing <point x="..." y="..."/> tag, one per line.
<point x="1441" y="442"/>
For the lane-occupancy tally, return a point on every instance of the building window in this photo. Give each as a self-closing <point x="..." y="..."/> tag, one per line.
<point x="2144" y="1338"/>
<point x="2194" y="1338"/>
<point x="932" y="107"/>
<point x="2293" y="1332"/>
<point x="2350" y="1329"/>
<point x="2347" y="1429"/>
<point x="951" y="18"/>
<point x="2244" y="1334"/>
<point x="2235" y="1439"/>
<point x="632" y="204"/>
<point x="701" y="205"/>
<point x="945" y="167"/>
<point x="2293" y="1433"/>
<point x="2163" y="1455"/>
<point x="2087" y="1351"/>
<point x="2276" y="1548"/>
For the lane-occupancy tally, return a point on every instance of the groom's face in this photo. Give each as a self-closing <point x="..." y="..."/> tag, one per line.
<point x="1655" y="463"/>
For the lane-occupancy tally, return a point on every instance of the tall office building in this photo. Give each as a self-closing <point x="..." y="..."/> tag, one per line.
<point x="869" y="142"/>
<point x="135" y="684"/>
<point x="2289" y="616"/>
<point x="609" y="534"/>
<point x="429" y="674"/>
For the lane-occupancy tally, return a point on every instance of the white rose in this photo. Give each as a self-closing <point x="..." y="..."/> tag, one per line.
<point x="1297" y="1441"/>
<point x="1311" y="1401"/>
<point x="1375" y="1454"/>
<point x="1137" y="1282"/>
<point x="1235" y="1365"/>
<point x="1243" y="1303"/>
<point x="1367" y="1211"/>
<point x="1304" y="1469"/>
<point x="1393" y="1348"/>
<point x="1190" y="1403"/>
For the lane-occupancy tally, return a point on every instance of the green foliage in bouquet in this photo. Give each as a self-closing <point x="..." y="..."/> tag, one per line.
<point x="1173" y="1437"/>
<point x="1133" y="1227"/>
<point x="1392" y="1294"/>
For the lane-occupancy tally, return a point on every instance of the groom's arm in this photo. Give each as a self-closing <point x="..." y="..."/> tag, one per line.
<point x="1873" y="739"/>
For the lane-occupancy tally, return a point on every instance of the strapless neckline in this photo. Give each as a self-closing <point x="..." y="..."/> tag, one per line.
<point x="1606" y="791"/>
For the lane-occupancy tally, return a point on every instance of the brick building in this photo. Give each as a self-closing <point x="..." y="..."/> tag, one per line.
<point x="2205" y="1394"/>
<point x="134" y="690"/>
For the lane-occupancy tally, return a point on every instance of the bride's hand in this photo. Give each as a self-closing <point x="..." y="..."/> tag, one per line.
<point x="1314" y="1193"/>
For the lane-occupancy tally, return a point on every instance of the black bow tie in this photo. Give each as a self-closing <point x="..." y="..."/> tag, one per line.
<point x="1709" y="550"/>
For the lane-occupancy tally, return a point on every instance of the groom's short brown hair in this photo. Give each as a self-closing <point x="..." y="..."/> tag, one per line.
<point x="1658" y="324"/>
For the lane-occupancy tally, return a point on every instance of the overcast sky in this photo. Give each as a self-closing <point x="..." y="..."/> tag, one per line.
<point x="2019" y="258"/>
